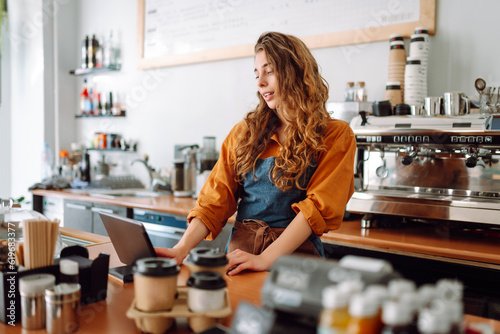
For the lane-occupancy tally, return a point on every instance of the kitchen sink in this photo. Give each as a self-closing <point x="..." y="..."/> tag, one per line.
<point x="118" y="193"/>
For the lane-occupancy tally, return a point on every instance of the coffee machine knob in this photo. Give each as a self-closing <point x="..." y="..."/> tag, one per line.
<point x="407" y="160"/>
<point x="471" y="162"/>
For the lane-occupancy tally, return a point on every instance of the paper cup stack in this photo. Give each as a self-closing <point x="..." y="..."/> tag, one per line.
<point x="397" y="61"/>
<point x="416" y="68"/>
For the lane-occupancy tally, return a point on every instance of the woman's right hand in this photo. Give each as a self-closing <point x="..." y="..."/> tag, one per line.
<point x="171" y="253"/>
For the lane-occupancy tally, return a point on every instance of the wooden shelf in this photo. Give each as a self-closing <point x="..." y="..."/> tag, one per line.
<point x="99" y="116"/>
<point x="95" y="70"/>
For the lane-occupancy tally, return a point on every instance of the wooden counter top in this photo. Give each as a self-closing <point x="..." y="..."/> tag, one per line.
<point x="167" y="203"/>
<point x="430" y="241"/>
<point x="109" y="316"/>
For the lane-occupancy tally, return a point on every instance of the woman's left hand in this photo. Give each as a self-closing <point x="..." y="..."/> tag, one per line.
<point x="239" y="260"/>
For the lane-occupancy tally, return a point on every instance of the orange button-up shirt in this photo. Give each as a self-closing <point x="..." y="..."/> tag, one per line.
<point x="328" y="190"/>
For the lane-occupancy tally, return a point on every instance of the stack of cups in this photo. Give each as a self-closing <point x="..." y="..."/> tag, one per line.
<point x="419" y="50"/>
<point x="397" y="62"/>
<point x="414" y="82"/>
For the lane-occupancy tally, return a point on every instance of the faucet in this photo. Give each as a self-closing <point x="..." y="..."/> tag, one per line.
<point x="155" y="182"/>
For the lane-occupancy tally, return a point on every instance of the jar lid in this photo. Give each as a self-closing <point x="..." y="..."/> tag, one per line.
<point x="36" y="284"/>
<point x="206" y="280"/>
<point x="63" y="293"/>
<point x="156" y="266"/>
<point x="207" y="257"/>
<point x="68" y="267"/>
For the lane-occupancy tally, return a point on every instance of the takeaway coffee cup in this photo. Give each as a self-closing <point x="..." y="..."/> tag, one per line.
<point x="155" y="287"/>
<point x="207" y="259"/>
<point x="155" y="284"/>
<point x="205" y="293"/>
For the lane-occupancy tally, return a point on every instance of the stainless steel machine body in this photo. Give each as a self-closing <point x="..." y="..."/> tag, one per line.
<point x="444" y="168"/>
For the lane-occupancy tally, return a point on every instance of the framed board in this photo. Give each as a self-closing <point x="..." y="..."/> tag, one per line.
<point x="176" y="32"/>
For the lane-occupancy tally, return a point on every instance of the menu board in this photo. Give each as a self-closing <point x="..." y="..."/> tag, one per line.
<point x="174" y="32"/>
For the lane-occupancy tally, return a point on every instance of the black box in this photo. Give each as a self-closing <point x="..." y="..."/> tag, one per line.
<point x="93" y="278"/>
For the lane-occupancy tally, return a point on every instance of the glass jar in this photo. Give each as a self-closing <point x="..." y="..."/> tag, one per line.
<point x="11" y="230"/>
<point x="208" y="155"/>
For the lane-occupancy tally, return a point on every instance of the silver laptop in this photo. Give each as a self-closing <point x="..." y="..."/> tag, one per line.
<point x="131" y="242"/>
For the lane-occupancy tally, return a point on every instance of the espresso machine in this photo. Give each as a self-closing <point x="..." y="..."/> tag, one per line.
<point x="436" y="168"/>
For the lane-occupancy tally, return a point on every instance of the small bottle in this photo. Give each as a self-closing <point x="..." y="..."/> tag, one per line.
<point x="360" y="95"/>
<point x="98" y="109"/>
<point x="85" y="52"/>
<point x="432" y="321"/>
<point x="208" y="155"/>
<point x="90" y="51"/>
<point x="364" y="313"/>
<point x="83" y="99"/>
<point x="349" y="92"/>
<point x="99" y="54"/>
<point x="68" y="271"/>
<point x="90" y="103"/>
<point x="93" y="54"/>
<point x="85" y="167"/>
<point x="334" y="317"/>
<point x="396" y="318"/>
<point x="398" y="286"/>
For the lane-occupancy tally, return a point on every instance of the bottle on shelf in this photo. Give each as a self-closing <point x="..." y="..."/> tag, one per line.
<point x="99" y="54"/>
<point x="99" y="108"/>
<point x="84" y="96"/>
<point x="85" y="167"/>
<point x="85" y="53"/>
<point x="349" y="92"/>
<point x="360" y="94"/>
<point x="93" y="51"/>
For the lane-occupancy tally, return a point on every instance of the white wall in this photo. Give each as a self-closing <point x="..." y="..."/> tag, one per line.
<point x="184" y="103"/>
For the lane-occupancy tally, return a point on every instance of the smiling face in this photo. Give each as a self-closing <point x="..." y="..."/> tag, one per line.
<point x="267" y="83"/>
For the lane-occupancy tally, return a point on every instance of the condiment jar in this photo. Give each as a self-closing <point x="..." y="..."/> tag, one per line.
<point x="32" y="290"/>
<point x="207" y="259"/>
<point x="62" y="303"/>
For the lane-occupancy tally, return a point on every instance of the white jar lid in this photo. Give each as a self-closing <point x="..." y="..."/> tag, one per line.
<point x="68" y="267"/>
<point x="36" y="284"/>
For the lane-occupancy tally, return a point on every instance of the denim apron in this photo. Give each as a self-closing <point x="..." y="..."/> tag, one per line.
<point x="261" y="199"/>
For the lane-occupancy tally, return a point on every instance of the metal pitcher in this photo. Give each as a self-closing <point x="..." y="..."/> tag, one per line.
<point x="456" y="104"/>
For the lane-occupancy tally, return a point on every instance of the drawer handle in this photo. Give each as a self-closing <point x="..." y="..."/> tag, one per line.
<point x="76" y="206"/>
<point x="102" y="210"/>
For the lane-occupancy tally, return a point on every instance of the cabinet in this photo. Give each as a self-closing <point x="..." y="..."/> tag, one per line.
<point x="53" y="208"/>
<point x="84" y="216"/>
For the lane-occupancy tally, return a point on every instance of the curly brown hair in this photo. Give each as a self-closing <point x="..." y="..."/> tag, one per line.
<point x="302" y="90"/>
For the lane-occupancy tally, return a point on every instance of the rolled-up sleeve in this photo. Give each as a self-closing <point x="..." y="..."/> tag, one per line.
<point x="217" y="200"/>
<point x="332" y="184"/>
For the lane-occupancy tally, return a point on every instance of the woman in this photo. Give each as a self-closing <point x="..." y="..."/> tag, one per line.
<point x="287" y="164"/>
